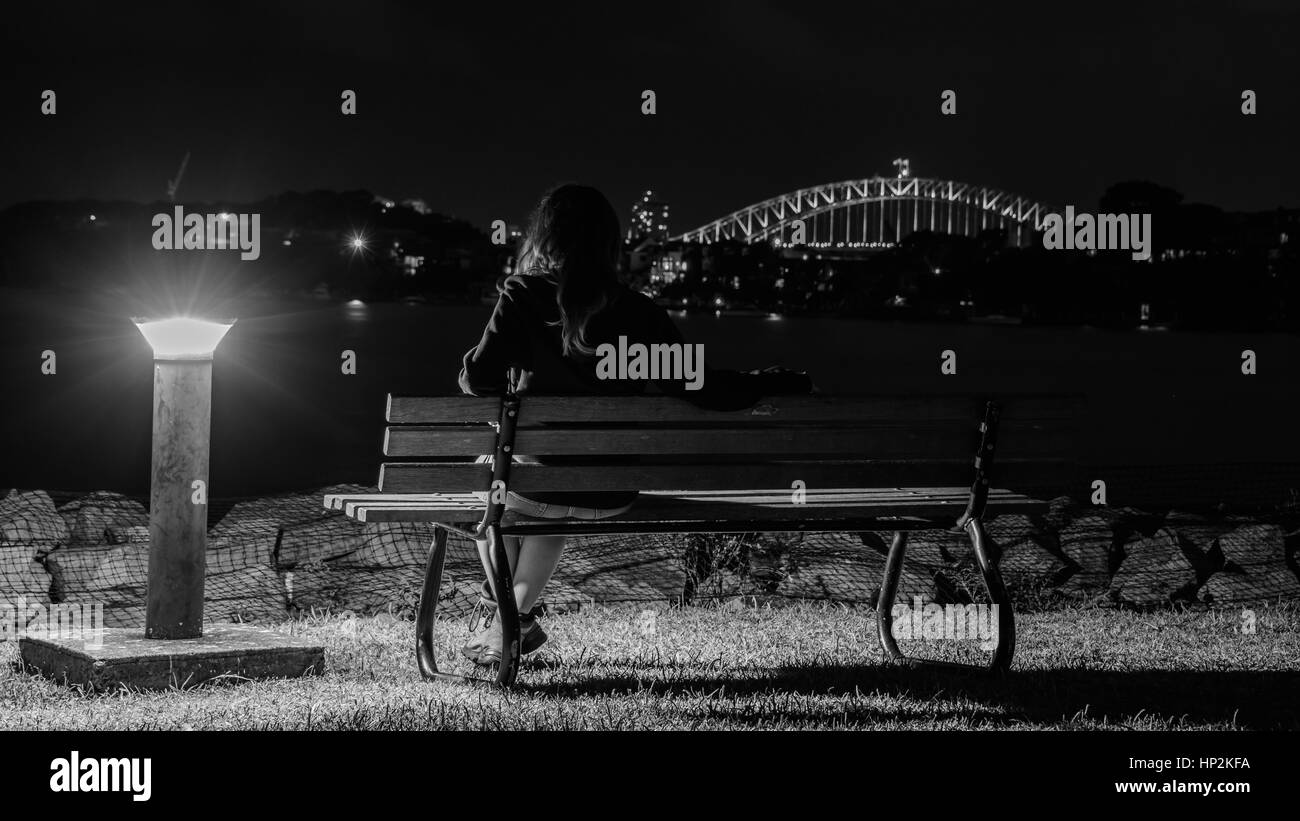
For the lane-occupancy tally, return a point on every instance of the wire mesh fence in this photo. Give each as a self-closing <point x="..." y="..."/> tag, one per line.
<point x="275" y="557"/>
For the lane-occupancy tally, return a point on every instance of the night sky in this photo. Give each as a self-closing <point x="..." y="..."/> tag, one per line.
<point x="479" y="111"/>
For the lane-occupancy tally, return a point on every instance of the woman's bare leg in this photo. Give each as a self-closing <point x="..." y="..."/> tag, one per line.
<point x="537" y="559"/>
<point x="533" y="560"/>
<point x="512" y="552"/>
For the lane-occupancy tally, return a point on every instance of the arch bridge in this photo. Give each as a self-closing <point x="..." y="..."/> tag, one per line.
<point x="878" y="212"/>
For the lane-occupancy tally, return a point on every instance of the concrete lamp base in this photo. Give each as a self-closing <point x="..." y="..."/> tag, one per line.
<point x="126" y="658"/>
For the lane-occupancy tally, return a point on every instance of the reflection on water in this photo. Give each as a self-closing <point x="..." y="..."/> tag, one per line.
<point x="356" y="311"/>
<point x="285" y="415"/>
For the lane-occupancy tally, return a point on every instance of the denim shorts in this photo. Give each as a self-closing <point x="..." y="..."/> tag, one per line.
<point x="542" y="510"/>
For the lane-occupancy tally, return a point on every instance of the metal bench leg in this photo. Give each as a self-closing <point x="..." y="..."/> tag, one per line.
<point x="428" y="608"/>
<point x="497" y="566"/>
<point x="498" y="573"/>
<point x="1006" y="641"/>
<point x="888" y="591"/>
<point x="1005" y="647"/>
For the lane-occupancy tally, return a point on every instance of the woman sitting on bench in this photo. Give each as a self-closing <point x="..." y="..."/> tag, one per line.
<point x="550" y="319"/>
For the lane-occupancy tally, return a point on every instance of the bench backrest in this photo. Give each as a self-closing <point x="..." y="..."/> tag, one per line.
<point x="665" y="443"/>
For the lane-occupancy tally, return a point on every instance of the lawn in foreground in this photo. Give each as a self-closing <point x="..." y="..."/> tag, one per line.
<point x="806" y="666"/>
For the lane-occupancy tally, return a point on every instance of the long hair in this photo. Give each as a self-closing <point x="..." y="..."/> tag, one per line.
<point x="573" y="238"/>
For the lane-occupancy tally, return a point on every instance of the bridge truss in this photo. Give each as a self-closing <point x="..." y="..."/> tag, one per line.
<point x="876" y="213"/>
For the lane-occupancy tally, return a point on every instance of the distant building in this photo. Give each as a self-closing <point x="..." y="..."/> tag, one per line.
<point x="649" y="219"/>
<point x="669" y="265"/>
<point x="412" y="264"/>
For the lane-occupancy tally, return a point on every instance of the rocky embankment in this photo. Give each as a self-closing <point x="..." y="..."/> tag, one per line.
<point x="282" y="556"/>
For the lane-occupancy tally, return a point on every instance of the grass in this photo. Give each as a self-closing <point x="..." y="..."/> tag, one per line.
<point x="804" y="666"/>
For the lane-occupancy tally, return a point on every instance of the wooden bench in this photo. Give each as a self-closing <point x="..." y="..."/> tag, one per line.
<point x="878" y="463"/>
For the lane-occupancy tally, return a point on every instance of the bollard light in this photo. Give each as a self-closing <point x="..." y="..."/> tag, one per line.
<point x="178" y="512"/>
<point x="176" y="649"/>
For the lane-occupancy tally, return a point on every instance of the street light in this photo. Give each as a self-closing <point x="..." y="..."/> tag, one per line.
<point x="175" y="650"/>
<point x="178" y="511"/>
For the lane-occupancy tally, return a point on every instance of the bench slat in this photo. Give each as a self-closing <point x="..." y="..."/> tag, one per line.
<point x="417" y="477"/>
<point x="669" y="512"/>
<point x="341" y="501"/>
<point x="779" y="409"/>
<point x="433" y="410"/>
<point x="882" y="441"/>
<point x="445" y="502"/>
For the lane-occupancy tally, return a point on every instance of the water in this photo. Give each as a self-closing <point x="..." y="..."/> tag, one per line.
<point x="286" y="417"/>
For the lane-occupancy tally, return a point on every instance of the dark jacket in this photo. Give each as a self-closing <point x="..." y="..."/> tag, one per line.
<point x="524" y="334"/>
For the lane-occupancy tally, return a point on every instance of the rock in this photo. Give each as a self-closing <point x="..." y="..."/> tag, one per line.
<point x="30" y="518"/>
<point x="244" y="528"/>
<point x="1061" y="511"/>
<point x="253" y="593"/>
<point x="1009" y="528"/>
<point x="933" y="550"/>
<point x="838" y="567"/>
<point x="396" y="544"/>
<point x="1254" y="569"/>
<point x="1086" y="544"/>
<point x="364" y="591"/>
<point x="126" y="534"/>
<point x="1201" y="531"/>
<point x="21" y="575"/>
<point x="237" y="587"/>
<point x="1026" y="560"/>
<point x="1026" y="563"/>
<point x="231" y="554"/>
<point x="319" y="541"/>
<point x="72" y="569"/>
<point x="1127" y="521"/>
<point x="625" y="568"/>
<point x="766" y="564"/>
<point x="90" y="517"/>
<point x="114" y="576"/>
<point x="287" y="510"/>
<point x="1156" y="570"/>
<point x="560" y="597"/>
<point x="122" y="576"/>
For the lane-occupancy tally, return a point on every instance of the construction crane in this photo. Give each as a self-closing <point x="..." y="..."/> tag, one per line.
<point x="172" y="185"/>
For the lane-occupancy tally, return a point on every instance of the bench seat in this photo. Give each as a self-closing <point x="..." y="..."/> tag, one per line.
<point x="703" y="511"/>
